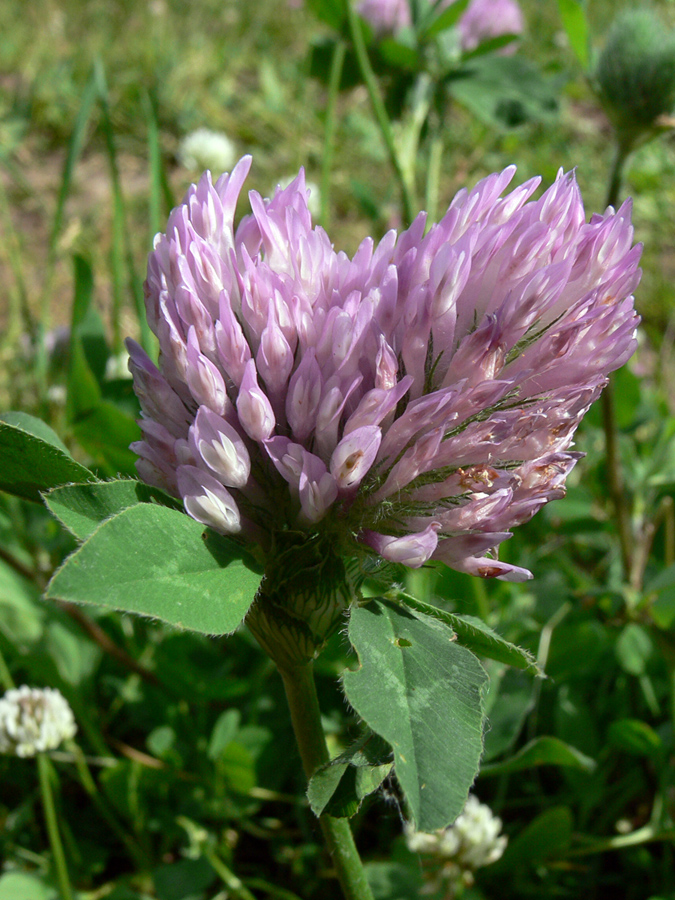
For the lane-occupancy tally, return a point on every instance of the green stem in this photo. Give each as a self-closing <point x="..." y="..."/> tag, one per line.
<point x="480" y="595"/>
<point x="235" y="885"/>
<point x="89" y="784"/>
<point x="5" y="674"/>
<point x="614" y="470"/>
<point x="306" y="717"/>
<point x="21" y="317"/>
<point x="645" y="835"/>
<point x="121" y="246"/>
<point x="542" y="658"/>
<point x="45" y="772"/>
<point x="407" y="188"/>
<point x="336" y="67"/>
<point x="621" y="154"/>
<point x="272" y="889"/>
<point x="615" y="478"/>
<point x="434" y="175"/>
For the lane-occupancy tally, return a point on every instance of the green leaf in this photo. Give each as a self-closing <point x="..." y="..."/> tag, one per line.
<point x="183" y="879"/>
<point x="161" y="741"/>
<point x="399" y="55"/>
<point x="505" y="91"/>
<point x="447" y="18"/>
<point x="474" y="634"/>
<point x="338" y="788"/>
<point x="21" y="614"/>
<point x="30" y="463"/>
<point x="161" y="198"/>
<point x="509" y="701"/>
<point x="636" y="737"/>
<point x="75" y="146"/>
<point x="19" y="886"/>
<point x="82" y="507"/>
<point x="633" y="649"/>
<point x="491" y="45"/>
<point x="542" y="751"/>
<point x="123" y="267"/>
<point x="83" y="391"/>
<point x="332" y="12"/>
<point x="237" y="767"/>
<point x="34" y="426"/>
<point x="665" y="578"/>
<point x="224" y="731"/>
<point x="321" y="55"/>
<point x="548" y="835"/>
<point x="574" y="21"/>
<point x="74" y="655"/>
<point x="662" y="609"/>
<point x="106" y="432"/>
<point x="393" y="881"/>
<point x="423" y="693"/>
<point x="158" y="562"/>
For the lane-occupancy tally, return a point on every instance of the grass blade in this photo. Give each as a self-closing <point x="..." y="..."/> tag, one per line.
<point x="122" y="251"/>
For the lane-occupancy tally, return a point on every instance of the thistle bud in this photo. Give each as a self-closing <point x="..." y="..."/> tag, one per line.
<point x="635" y="75"/>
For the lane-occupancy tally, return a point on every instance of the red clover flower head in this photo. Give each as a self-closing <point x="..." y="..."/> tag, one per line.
<point x="481" y="20"/>
<point x="485" y="19"/>
<point x="415" y="401"/>
<point x="386" y="16"/>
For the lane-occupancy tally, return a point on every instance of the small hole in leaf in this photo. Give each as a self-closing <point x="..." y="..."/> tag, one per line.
<point x="403" y="642"/>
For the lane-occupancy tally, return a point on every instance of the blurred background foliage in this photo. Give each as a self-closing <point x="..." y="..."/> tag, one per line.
<point x="188" y="788"/>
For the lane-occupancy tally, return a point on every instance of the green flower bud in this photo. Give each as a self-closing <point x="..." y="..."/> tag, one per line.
<point x="635" y="75"/>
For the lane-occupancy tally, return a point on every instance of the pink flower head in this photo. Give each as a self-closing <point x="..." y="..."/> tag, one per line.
<point x="485" y="19"/>
<point x="414" y="402"/>
<point x="482" y="19"/>
<point x="385" y="16"/>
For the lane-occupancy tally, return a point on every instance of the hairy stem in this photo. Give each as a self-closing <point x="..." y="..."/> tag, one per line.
<point x="404" y="180"/>
<point x="306" y="718"/>
<point x="45" y="771"/>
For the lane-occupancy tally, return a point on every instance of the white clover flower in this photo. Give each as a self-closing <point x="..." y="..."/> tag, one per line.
<point x="57" y="394"/>
<point x="473" y="841"/>
<point x="117" y="367"/>
<point x="205" y="149"/>
<point x="33" y="720"/>
<point x="479" y="836"/>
